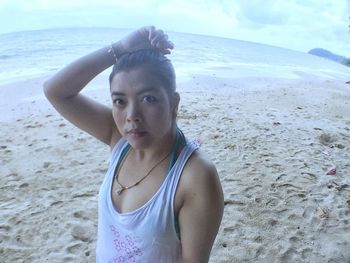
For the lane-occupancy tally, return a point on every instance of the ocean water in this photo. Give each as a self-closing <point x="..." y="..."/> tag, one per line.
<point x="32" y="53"/>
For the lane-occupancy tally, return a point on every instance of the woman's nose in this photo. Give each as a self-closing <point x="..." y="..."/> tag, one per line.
<point x="134" y="113"/>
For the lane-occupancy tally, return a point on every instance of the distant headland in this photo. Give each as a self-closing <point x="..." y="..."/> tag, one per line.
<point x="329" y="55"/>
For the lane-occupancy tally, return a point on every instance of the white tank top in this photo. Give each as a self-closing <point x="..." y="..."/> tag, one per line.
<point x="148" y="233"/>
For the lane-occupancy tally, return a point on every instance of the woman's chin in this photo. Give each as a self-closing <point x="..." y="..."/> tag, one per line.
<point x="138" y="142"/>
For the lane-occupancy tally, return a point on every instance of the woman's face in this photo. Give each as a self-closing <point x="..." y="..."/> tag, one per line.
<point x="142" y="109"/>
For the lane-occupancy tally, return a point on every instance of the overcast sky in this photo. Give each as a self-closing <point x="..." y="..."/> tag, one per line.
<point x="295" y="24"/>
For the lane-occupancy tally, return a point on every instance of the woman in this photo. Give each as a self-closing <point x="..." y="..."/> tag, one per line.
<point x="161" y="199"/>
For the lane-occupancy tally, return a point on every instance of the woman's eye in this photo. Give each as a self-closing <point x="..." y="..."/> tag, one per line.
<point x="149" y="99"/>
<point x="118" y="102"/>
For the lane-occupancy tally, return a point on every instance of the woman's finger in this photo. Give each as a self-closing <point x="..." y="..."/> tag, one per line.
<point x="158" y="34"/>
<point x="171" y="45"/>
<point x="162" y="42"/>
<point x="159" y="39"/>
<point x="164" y="51"/>
<point x="151" y="32"/>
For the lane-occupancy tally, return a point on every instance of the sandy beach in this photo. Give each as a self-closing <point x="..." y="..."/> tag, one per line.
<point x="273" y="141"/>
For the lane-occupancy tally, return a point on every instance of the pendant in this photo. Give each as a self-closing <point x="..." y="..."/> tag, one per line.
<point x="120" y="190"/>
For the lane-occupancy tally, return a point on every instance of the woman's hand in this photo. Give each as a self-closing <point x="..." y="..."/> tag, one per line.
<point x="144" y="38"/>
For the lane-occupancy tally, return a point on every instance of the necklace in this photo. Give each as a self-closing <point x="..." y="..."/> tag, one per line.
<point x="121" y="188"/>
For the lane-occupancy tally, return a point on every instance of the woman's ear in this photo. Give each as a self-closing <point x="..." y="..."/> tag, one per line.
<point x="176" y="101"/>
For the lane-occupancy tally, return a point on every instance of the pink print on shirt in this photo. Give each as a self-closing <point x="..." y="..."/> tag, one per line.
<point x="127" y="247"/>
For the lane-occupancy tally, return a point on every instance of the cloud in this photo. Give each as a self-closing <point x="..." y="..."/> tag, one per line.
<point x="264" y="13"/>
<point x="52" y="5"/>
<point x="200" y="16"/>
<point x="297" y="24"/>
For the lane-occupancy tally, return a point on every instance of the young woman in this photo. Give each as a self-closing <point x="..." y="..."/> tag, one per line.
<point x="161" y="199"/>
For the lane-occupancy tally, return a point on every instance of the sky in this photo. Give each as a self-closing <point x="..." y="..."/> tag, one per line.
<point x="295" y="24"/>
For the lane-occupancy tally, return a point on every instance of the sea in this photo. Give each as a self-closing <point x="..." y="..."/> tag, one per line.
<point x="30" y="54"/>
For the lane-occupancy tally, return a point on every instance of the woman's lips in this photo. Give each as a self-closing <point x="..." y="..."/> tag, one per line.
<point x="137" y="133"/>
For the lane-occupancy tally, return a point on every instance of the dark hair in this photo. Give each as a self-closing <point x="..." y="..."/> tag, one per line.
<point x="156" y="61"/>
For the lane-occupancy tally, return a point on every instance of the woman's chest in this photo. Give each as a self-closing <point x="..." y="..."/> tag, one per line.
<point x="155" y="189"/>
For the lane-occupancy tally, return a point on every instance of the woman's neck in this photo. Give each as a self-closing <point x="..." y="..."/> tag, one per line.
<point x="162" y="148"/>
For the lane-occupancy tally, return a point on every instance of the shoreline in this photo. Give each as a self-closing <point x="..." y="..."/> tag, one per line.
<point x="20" y="93"/>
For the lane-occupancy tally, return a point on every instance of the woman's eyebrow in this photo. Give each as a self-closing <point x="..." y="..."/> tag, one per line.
<point x="147" y="89"/>
<point x="116" y="93"/>
<point x="144" y="90"/>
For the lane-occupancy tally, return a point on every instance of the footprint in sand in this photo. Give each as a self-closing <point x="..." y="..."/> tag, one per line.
<point x="42" y="149"/>
<point x="327" y="139"/>
<point x="233" y="202"/>
<point x="102" y="170"/>
<point x="81" y="215"/>
<point x="81" y="139"/>
<point x="24" y="185"/>
<point x="74" y="249"/>
<point x="33" y="126"/>
<point x="5" y="232"/>
<point x="289" y="255"/>
<point x="13" y="177"/>
<point x="272" y="222"/>
<point x="306" y="253"/>
<point x="339" y="146"/>
<point x="7" y="151"/>
<point x="230" y="146"/>
<point x="229" y="229"/>
<point x="56" y="203"/>
<point x="81" y="233"/>
<point x="46" y="164"/>
<point x="5" y="227"/>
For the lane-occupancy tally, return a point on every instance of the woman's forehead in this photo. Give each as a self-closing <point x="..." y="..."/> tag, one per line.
<point x="136" y="80"/>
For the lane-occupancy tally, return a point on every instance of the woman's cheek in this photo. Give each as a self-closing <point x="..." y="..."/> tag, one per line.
<point x="117" y="116"/>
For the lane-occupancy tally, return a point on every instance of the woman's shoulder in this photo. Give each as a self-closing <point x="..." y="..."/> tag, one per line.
<point x="199" y="162"/>
<point x="199" y="171"/>
<point x="118" y="147"/>
<point x="200" y="185"/>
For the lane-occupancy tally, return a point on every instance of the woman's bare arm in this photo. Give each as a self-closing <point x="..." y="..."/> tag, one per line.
<point x="201" y="213"/>
<point x="63" y="91"/>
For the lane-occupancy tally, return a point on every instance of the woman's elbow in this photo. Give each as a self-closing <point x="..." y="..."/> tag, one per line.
<point x="47" y="89"/>
<point x="52" y="91"/>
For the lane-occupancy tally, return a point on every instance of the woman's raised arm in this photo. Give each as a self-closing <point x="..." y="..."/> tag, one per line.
<point x="63" y="89"/>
